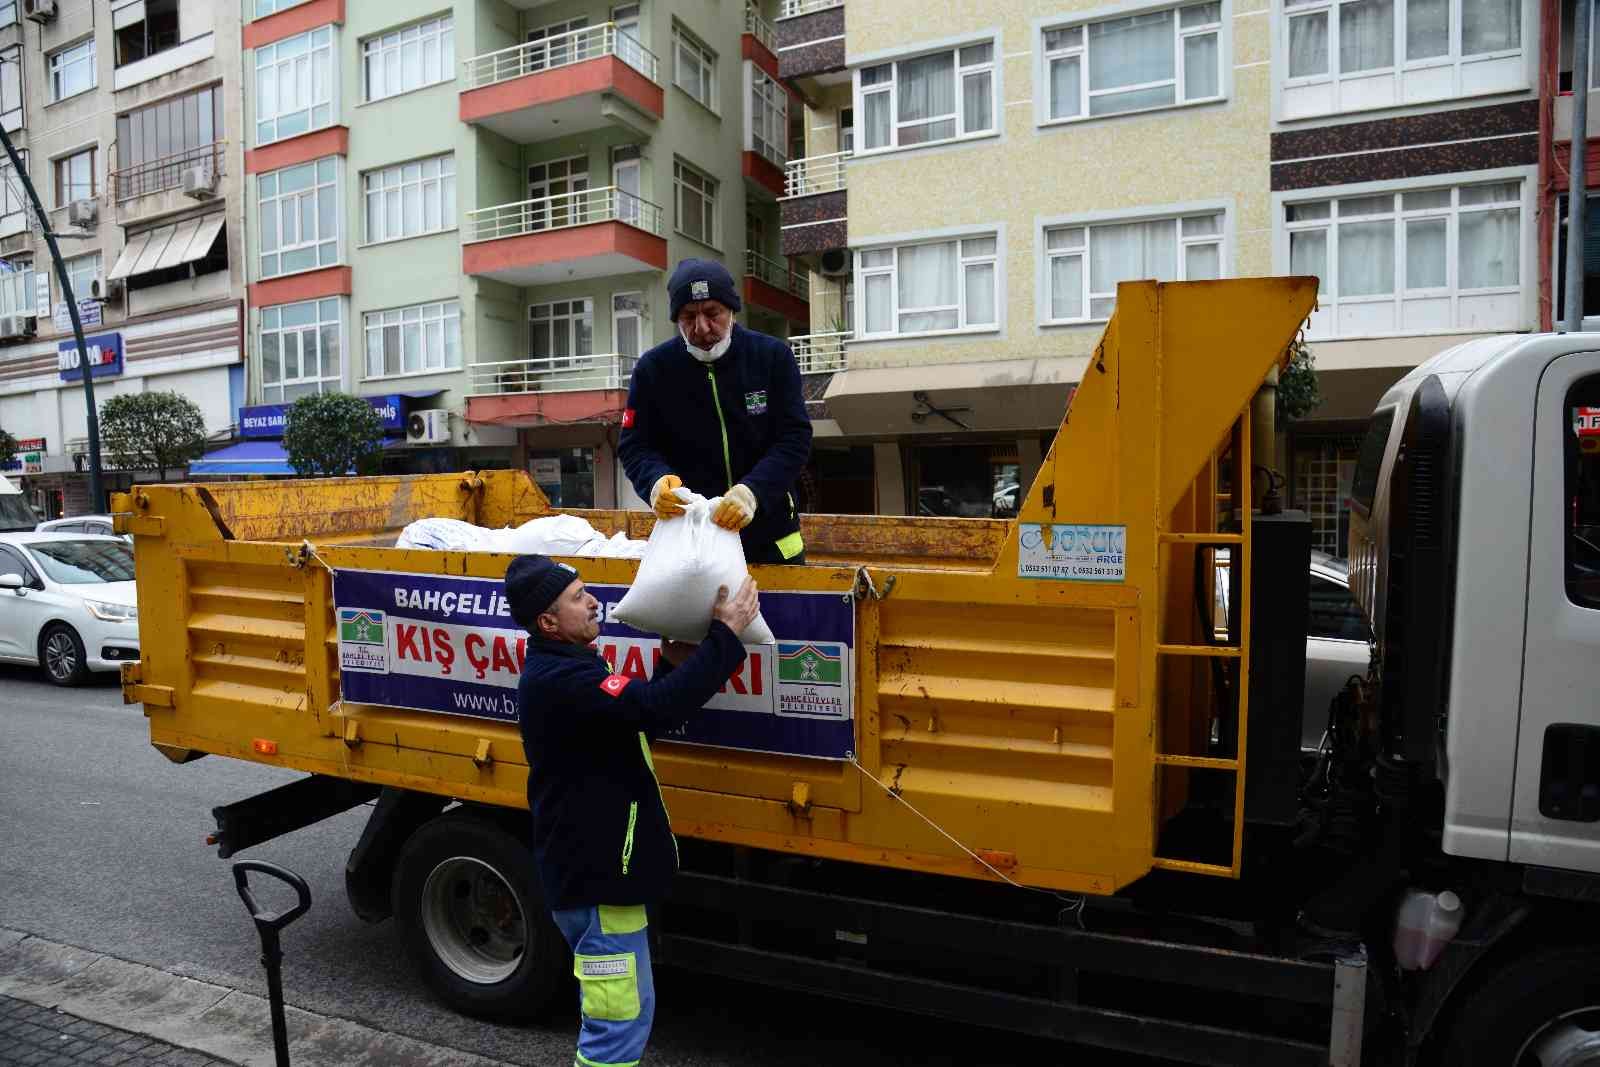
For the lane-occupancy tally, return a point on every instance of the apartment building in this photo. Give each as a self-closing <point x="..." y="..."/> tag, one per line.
<point x="970" y="195"/>
<point x="126" y="114"/>
<point x="471" y="209"/>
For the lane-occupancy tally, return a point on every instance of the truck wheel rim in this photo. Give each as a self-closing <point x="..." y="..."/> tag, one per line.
<point x="1568" y="1040"/>
<point x="60" y="658"/>
<point x="473" y="920"/>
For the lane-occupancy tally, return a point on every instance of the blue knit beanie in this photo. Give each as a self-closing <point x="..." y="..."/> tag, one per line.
<point x="533" y="583"/>
<point x="702" y="279"/>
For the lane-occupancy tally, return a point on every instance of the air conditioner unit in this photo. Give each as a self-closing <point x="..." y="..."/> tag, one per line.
<point x="430" y="427"/>
<point x="200" y="182"/>
<point x="83" y="213"/>
<point x="103" y="288"/>
<point x="16" y="325"/>
<point x="835" y="262"/>
<point x="39" y="10"/>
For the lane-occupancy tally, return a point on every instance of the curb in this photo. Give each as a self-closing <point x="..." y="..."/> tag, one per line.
<point x="219" y="1021"/>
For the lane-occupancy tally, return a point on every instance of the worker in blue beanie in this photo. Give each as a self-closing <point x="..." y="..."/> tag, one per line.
<point x="719" y="410"/>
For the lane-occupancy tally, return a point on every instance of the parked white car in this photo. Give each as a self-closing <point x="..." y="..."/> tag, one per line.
<point x="89" y="524"/>
<point x="67" y="603"/>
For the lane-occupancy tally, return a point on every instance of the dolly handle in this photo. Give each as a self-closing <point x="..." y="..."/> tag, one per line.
<point x="264" y="919"/>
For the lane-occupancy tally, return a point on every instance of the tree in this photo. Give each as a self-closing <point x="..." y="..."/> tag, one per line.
<point x="1298" y="391"/>
<point x="152" y="431"/>
<point x="8" y="448"/>
<point x="331" y="434"/>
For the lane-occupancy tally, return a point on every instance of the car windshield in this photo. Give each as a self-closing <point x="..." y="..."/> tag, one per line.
<point x="84" y="562"/>
<point x="15" y="513"/>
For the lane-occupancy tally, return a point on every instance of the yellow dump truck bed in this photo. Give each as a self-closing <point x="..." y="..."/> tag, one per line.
<point x="1028" y="687"/>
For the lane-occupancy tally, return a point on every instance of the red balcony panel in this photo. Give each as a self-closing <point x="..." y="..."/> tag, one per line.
<point x="539" y="409"/>
<point x="752" y="49"/>
<point x="329" y="141"/>
<point x="307" y="285"/>
<point x="762" y="294"/>
<point x="293" y="20"/>
<point x="598" y="250"/>
<point x="763" y="173"/>
<point x="566" y="99"/>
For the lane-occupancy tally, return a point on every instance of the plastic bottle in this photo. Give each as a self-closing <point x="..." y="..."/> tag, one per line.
<point x="1424" y="924"/>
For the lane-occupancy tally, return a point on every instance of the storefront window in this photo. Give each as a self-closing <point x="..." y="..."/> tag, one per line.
<point x="566" y="476"/>
<point x="1324" y="468"/>
<point x="976" y="481"/>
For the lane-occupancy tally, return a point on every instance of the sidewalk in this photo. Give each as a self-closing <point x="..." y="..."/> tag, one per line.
<point x="31" y="1035"/>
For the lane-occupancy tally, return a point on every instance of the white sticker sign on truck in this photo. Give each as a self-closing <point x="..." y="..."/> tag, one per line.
<point x="1072" y="552"/>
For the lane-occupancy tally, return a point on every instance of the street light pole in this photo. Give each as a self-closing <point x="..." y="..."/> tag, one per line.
<point x="97" y="502"/>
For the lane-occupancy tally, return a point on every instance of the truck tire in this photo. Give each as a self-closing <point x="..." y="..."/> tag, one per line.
<point x="1543" y="1010"/>
<point x="62" y="656"/>
<point x="473" y="919"/>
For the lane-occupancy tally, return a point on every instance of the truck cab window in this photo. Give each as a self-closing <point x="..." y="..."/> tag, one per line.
<point x="1581" y="445"/>
<point x="1364" y="484"/>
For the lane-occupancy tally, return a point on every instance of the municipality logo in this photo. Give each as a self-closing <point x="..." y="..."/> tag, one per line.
<point x="700" y="290"/>
<point x="361" y="626"/>
<point x="811" y="664"/>
<point x="756" y="403"/>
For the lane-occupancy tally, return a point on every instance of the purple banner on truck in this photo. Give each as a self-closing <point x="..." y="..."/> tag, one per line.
<point x="448" y="645"/>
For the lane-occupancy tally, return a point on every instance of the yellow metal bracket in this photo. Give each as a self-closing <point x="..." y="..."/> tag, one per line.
<point x="352" y="733"/>
<point x="482" y="758"/>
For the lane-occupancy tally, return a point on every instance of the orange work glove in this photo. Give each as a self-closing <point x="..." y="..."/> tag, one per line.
<point x="663" y="501"/>
<point x="738" y="507"/>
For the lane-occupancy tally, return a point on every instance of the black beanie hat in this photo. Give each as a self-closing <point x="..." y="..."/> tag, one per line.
<point x="532" y="584"/>
<point x="702" y="279"/>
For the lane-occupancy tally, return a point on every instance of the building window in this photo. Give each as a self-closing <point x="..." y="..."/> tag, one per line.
<point x="694" y="67"/>
<point x="1421" y="259"/>
<point x="300" y="350"/>
<point x="1591" y="264"/>
<point x="930" y="98"/>
<point x="294" y="85"/>
<point x="16" y="286"/>
<point x="561" y="331"/>
<point x="81" y="272"/>
<point x="410" y="199"/>
<point x="271" y="7"/>
<point x="1083" y="264"/>
<point x="75" y="177"/>
<point x="8" y="13"/>
<point x="11" y="82"/>
<point x="156" y="144"/>
<point x="1137" y="63"/>
<point x="560" y="44"/>
<point x="299" y="218"/>
<point x="156" y="32"/>
<point x="1351" y="54"/>
<point x="413" y="340"/>
<point x="847" y="129"/>
<point x="72" y="70"/>
<point x="14" y="207"/>
<point x="697" y="203"/>
<point x="936" y="287"/>
<point x="769" y="116"/>
<point x="551" y="187"/>
<point x="409" y="58"/>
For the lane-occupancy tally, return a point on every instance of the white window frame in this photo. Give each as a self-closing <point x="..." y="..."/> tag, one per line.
<point x="570" y="321"/>
<point x="712" y="200"/>
<point x="17" y="296"/>
<point x="389" y="188"/>
<point x="322" y="186"/>
<point x="961" y="73"/>
<point x="57" y="62"/>
<point x="1285" y="14"/>
<point x="394" y="47"/>
<point x="1527" y="286"/>
<point x="264" y="8"/>
<point x="1045" y="57"/>
<point x="309" y="53"/>
<point x="11" y="78"/>
<point x="964" y="260"/>
<point x="82" y="270"/>
<point x="326" y="311"/>
<point x="1223" y="240"/>
<point x="61" y="193"/>
<point x="684" y="40"/>
<point x="766" y="119"/>
<point x="637" y="313"/>
<point x="432" y="325"/>
<point x="8" y="12"/>
<point x="13" y="201"/>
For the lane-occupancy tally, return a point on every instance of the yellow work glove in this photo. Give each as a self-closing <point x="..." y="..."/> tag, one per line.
<point x="738" y="507"/>
<point x="663" y="500"/>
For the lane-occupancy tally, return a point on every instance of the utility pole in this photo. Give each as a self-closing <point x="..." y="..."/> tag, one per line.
<point x="1578" y="186"/>
<point x="96" y="497"/>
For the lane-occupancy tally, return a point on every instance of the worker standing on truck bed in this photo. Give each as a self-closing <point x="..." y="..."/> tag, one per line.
<point x="601" y="839"/>
<point x="719" y="410"/>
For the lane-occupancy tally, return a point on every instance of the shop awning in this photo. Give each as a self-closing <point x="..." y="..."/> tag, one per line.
<point x="1003" y="395"/>
<point x="257" y="457"/>
<point x="168" y="246"/>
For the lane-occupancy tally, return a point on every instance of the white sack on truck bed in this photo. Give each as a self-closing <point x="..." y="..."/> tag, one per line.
<point x="550" y="535"/>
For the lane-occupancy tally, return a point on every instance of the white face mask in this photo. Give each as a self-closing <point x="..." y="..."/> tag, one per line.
<point x="716" y="352"/>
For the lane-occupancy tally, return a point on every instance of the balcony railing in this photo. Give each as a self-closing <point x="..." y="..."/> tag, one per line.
<point x="814" y="174"/>
<point x="562" y="50"/>
<point x="159" y="175"/>
<point x="776" y="273"/>
<point x="760" y="28"/>
<point x="552" y="374"/>
<point x="818" y="352"/>
<point x="791" y="8"/>
<point x="582" y="208"/>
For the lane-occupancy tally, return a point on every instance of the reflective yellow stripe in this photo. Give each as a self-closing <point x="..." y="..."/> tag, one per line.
<point x="644" y="746"/>
<point x="622" y="919"/>
<point x="627" y="842"/>
<point x="791" y="546"/>
<point x="716" y="402"/>
<point x="584" y="1061"/>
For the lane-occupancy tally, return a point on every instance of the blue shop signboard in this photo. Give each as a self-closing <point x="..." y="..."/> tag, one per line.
<point x="104" y="353"/>
<point x="267" y="420"/>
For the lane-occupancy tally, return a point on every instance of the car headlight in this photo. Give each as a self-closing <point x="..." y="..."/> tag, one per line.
<point x="111" y="612"/>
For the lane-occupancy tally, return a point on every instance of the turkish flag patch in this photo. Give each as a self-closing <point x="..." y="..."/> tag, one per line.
<point x="627" y="418"/>
<point x="615" y="684"/>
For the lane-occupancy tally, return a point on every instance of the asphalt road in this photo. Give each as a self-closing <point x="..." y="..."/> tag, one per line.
<point x="102" y="848"/>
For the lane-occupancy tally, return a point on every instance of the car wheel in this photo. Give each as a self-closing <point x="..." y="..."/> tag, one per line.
<point x="61" y="655"/>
